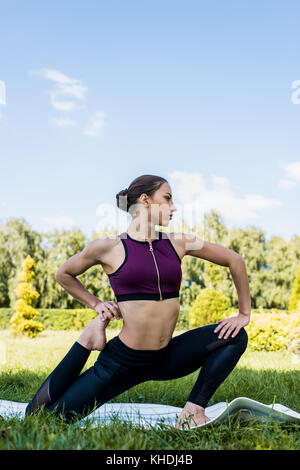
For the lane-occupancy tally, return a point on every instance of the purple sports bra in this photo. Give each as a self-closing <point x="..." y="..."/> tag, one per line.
<point x="150" y="270"/>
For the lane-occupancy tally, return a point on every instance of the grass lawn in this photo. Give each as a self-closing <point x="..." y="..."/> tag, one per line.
<point x="267" y="377"/>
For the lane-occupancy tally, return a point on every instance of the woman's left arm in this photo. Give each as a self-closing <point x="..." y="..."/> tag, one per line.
<point x="223" y="256"/>
<point x="232" y="325"/>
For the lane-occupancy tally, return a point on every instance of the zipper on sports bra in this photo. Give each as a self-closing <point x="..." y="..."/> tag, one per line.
<point x="158" y="277"/>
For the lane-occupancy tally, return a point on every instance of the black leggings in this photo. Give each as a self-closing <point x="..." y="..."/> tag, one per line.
<point x="118" y="368"/>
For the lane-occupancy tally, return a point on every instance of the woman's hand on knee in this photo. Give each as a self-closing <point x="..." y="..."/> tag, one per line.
<point x="231" y="326"/>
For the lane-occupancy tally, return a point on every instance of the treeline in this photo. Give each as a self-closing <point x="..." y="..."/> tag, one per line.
<point x="271" y="265"/>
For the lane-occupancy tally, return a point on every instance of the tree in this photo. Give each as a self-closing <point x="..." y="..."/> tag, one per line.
<point x="22" y="321"/>
<point x="294" y="302"/>
<point x="17" y="240"/>
<point x="280" y="275"/>
<point x="251" y="244"/>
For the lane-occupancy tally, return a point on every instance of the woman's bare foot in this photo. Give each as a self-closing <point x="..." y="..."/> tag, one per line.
<point x="93" y="336"/>
<point x="191" y="415"/>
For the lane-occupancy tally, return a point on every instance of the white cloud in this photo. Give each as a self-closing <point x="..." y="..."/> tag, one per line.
<point x="221" y="197"/>
<point x="60" y="221"/>
<point x="97" y="121"/>
<point x="65" y="97"/>
<point x="64" y="122"/>
<point x="292" y="171"/>
<point x="54" y="75"/>
<point x="65" y="86"/>
<point x="286" y="184"/>
<point x="291" y="175"/>
<point x="62" y="105"/>
<point x="220" y="181"/>
<point x="2" y="93"/>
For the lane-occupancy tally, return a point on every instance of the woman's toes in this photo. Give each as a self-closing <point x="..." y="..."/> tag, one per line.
<point x="189" y="420"/>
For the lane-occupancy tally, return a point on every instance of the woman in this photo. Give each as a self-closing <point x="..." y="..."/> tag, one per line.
<point x="144" y="269"/>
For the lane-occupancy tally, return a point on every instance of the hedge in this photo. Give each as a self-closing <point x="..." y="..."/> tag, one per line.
<point x="272" y="330"/>
<point x="73" y="319"/>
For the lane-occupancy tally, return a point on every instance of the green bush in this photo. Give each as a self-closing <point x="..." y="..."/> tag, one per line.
<point x="30" y="328"/>
<point x="273" y="331"/>
<point x="22" y="321"/>
<point x="183" y="319"/>
<point x="268" y="330"/>
<point x="294" y="302"/>
<point x="75" y="319"/>
<point x="189" y="294"/>
<point x="66" y="319"/>
<point x="55" y="319"/>
<point x="209" y="307"/>
<point x="5" y="314"/>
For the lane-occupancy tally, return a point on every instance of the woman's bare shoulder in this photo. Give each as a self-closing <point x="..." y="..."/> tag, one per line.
<point x="186" y="241"/>
<point x="184" y="237"/>
<point x="99" y="247"/>
<point x="93" y="253"/>
<point x="104" y="244"/>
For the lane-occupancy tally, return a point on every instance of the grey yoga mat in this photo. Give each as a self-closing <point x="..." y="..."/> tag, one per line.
<point x="149" y="415"/>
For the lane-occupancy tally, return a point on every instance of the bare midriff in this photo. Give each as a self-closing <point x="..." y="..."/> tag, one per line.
<point x="148" y="324"/>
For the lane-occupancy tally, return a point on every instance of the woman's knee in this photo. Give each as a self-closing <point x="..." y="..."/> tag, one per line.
<point x="242" y="337"/>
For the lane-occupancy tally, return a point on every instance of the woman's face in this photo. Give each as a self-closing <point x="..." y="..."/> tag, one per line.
<point x="162" y="205"/>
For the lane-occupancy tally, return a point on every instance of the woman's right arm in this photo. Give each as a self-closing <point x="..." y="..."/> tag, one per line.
<point x="66" y="274"/>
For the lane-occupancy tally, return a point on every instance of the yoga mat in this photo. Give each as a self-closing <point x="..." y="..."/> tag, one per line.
<point x="148" y="415"/>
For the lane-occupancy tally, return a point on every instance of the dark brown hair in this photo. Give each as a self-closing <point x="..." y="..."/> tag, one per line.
<point x="142" y="184"/>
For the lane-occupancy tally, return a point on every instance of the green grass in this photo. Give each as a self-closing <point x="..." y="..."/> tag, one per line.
<point x="263" y="376"/>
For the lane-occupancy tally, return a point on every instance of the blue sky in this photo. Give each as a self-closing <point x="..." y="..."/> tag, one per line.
<point x="96" y="93"/>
